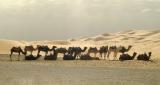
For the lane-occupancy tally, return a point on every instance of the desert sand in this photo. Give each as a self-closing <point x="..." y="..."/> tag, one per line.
<point x="79" y="72"/>
<point x="141" y="40"/>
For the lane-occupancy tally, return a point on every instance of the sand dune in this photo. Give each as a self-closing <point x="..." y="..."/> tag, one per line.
<point x="142" y="41"/>
<point x="5" y="45"/>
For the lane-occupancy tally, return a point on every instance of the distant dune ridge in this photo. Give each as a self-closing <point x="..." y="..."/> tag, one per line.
<point x="142" y="41"/>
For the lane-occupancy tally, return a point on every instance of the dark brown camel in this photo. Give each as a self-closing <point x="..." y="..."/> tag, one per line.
<point x="144" y="56"/>
<point x="31" y="57"/>
<point x="117" y="50"/>
<point x="93" y="50"/>
<point x="69" y="57"/>
<point x="45" y="49"/>
<point x="122" y="49"/>
<point x="103" y="51"/>
<point x="127" y="56"/>
<point x="70" y="50"/>
<point x="61" y="50"/>
<point x="88" y="57"/>
<point x="51" y="57"/>
<point x="16" y="50"/>
<point x="30" y="49"/>
<point x="77" y="51"/>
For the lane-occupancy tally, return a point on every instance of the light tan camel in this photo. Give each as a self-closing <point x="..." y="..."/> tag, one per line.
<point x="29" y="49"/>
<point x="116" y="50"/>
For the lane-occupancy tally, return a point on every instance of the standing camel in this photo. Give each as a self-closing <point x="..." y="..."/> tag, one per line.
<point x="29" y="48"/>
<point x="77" y="51"/>
<point x="93" y="50"/>
<point x="45" y="49"/>
<point x="52" y="56"/>
<point x="61" y="50"/>
<point x="103" y="50"/>
<point x="117" y="50"/>
<point x="16" y="50"/>
<point x="70" y="50"/>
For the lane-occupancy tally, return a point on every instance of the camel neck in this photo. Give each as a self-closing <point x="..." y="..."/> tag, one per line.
<point x="84" y="50"/>
<point x="128" y="49"/>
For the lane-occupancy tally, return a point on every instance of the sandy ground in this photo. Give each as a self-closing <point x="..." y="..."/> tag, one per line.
<point x="78" y="72"/>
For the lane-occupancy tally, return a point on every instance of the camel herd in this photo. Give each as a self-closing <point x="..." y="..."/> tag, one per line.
<point x="73" y="53"/>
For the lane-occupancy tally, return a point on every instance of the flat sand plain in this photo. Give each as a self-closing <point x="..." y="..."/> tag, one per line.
<point x="78" y="72"/>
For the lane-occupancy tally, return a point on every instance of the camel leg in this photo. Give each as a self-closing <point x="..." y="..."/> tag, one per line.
<point x="95" y="54"/>
<point x="31" y="52"/>
<point x="46" y="53"/>
<point x="105" y="55"/>
<point x="115" y="55"/>
<point x="11" y="56"/>
<point x="19" y="56"/>
<point x="38" y="52"/>
<point x="101" y="55"/>
<point x="108" y="55"/>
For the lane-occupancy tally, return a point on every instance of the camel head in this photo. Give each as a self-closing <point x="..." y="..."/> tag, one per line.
<point x="150" y="53"/>
<point x="85" y="48"/>
<point x="38" y="46"/>
<point x="53" y="47"/>
<point x="130" y="46"/>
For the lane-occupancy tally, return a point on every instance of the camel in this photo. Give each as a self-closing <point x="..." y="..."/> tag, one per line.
<point x="122" y="49"/>
<point x="93" y="50"/>
<point x="70" y="50"/>
<point x="117" y="50"/>
<point x="77" y="51"/>
<point x="61" y="50"/>
<point x="69" y="57"/>
<point x="51" y="57"/>
<point x="45" y="49"/>
<point x="103" y="50"/>
<point x="31" y="57"/>
<point x="127" y="56"/>
<point x="88" y="57"/>
<point x="30" y="49"/>
<point x="144" y="56"/>
<point x="16" y="50"/>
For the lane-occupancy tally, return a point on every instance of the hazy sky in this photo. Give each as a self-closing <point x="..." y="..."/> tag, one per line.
<point x="63" y="19"/>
